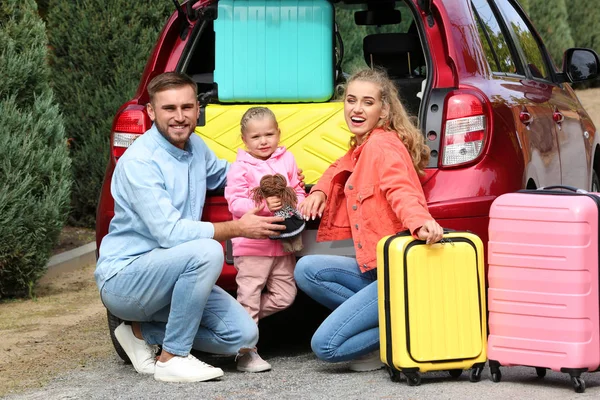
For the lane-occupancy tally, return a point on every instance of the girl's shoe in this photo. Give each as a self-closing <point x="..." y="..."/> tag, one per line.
<point x="251" y="362"/>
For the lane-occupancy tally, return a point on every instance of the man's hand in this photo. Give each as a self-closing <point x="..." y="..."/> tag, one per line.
<point x="250" y="225"/>
<point x="313" y="205"/>
<point x="430" y="232"/>
<point x="253" y="226"/>
<point x="301" y="179"/>
<point x="273" y="203"/>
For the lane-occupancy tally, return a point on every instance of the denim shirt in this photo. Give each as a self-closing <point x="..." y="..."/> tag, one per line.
<point x="159" y="192"/>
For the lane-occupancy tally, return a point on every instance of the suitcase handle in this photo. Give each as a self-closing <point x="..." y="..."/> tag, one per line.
<point x="407" y="232"/>
<point x="570" y="188"/>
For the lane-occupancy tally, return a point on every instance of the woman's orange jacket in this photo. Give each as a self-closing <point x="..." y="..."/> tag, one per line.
<point x="372" y="191"/>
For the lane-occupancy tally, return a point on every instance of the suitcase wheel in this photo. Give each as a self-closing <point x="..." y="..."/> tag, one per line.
<point x="455" y="373"/>
<point x="413" y="378"/>
<point x="496" y="376"/>
<point x="475" y="374"/>
<point x="578" y="384"/>
<point x="394" y="375"/>
<point x="541" y="372"/>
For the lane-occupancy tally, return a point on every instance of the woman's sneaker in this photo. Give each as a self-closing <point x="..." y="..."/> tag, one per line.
<point x="251" y="362"/>
<point x="369" y="362"/>
<point x="185" y="369"/>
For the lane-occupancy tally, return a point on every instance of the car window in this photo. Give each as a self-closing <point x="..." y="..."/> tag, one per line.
<point x="495" y="45"/>
<point x="352" y="34"/>
<point x="534" y="58"/>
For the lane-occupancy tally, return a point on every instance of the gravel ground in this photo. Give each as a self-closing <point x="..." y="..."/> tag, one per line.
<point x="301" y="376"/>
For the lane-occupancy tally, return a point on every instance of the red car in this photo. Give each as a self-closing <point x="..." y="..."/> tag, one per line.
<point x="495" y="111"/>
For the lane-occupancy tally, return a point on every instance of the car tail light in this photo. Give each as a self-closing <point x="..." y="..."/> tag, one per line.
<point x="465" y="129"/>
<point x="130" y="124"/>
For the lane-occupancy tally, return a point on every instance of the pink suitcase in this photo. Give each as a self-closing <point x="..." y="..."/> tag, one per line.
<point x="543" y="282"/>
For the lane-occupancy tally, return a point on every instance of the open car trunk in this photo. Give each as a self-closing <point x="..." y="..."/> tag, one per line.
<point x="244" y="55"/>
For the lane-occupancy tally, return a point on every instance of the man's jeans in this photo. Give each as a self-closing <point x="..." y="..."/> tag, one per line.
<point x="352" y="329"/>
<point x="172" y="291"/>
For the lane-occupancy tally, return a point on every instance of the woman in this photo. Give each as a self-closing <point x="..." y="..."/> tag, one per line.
<point x="370" y="192"/>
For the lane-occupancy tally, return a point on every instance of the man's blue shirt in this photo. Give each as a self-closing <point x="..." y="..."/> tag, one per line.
<point x="159" y="192"/>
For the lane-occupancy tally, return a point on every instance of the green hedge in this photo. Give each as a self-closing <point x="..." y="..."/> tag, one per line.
<point x="34" y="160"/>
<point x="583" y="20"/>
<point x="100" y="50"/>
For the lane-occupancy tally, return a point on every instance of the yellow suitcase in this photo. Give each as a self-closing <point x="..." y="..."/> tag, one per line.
<point x="432" y="312"/>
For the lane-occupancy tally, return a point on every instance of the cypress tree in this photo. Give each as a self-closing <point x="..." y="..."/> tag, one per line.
<point x="100" y="48"/>
<point x="550" y="20"/>
<point x="583" y="20"/>
<point x="35" y="175"/>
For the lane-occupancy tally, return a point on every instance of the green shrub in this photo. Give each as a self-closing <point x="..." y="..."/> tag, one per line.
<point x="100" y="50"/>
<point x="525" y="5"/>
<point x="34" y="162"/>
<point x="550" y="20"/>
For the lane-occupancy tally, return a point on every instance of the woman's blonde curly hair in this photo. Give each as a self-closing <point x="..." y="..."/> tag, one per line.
<point x="397" y="120"/>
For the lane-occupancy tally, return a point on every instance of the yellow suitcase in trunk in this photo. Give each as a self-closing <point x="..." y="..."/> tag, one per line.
<point x="432" y="312"/>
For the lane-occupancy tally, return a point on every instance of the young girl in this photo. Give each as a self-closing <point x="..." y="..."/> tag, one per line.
<point x="370" y="192"/>
<point x="263" y="262"/>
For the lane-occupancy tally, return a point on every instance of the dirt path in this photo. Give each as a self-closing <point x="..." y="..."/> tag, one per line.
<point x="63" y="329"/>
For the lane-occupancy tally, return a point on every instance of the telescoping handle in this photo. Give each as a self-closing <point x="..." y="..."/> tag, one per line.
<point x="565" y="187"/>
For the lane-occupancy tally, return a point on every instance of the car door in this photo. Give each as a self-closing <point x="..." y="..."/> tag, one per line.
<point x="537" y="111"/>
<point x="562" y="101"/>
<point x="575" y="156"/>
<point x="521" y="104"/>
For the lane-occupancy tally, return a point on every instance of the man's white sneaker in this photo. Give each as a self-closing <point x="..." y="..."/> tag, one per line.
<point x="141" y="354"/>
<point x="252" y="362"/>
<point x="369" y="362"/>
<point x="185" y="369"/>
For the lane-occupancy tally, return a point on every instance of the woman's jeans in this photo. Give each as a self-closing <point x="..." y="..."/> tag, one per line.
<point x="173" y="293"/>
<point x="352" y="329"/>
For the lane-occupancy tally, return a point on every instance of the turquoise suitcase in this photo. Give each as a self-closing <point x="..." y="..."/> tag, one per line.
<point x="274" y="51"/>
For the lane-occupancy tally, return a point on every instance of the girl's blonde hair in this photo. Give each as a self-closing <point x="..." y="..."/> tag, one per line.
<point x="397" y="119"/>
<point x="256" y="112"/>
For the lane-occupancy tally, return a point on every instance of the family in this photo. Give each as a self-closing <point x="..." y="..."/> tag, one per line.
<point x="159" y="262"/>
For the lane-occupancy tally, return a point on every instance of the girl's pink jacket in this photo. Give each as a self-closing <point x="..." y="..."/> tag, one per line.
<point x="244" y="175"/>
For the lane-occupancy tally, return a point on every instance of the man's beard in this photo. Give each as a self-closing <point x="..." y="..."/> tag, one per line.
<point x="166" y="136"/>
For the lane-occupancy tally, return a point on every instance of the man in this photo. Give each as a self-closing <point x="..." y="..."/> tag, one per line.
<point x="159" y="263"/>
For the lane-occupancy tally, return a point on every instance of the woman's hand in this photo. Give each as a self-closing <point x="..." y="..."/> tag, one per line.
<point x="273" y="203"/>
<point x="313" y="205"/>
<point x="430" y="232"/>
<point x="301" y="179"/>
